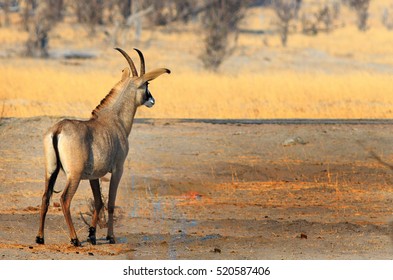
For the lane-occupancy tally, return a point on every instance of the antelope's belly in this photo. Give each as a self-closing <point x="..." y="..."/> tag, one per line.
<point x="97" y="169"/>
<point x="94" y="175"/>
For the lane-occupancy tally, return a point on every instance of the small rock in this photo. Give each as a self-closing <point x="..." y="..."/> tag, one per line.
<point x="91" y="254"/>
<point x="217" y="250"/>
<point x="294" y="141"/>
<point x="56" y="204"/>
<point x="303" y="236"/>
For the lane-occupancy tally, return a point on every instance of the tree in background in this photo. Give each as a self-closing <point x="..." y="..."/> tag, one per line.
<point x="6" y="8"/>
<point x="90" y="13"/>
<point x="125" y="7"/>
<point x="387" y="17"/>
<point x="168" y="11"/>
<point x="286" y="11"/>
<point x="320" y="17"/>
<point x="220" y="22"/>
<point x="40" y="17"/>
<point x="361" y="8"/>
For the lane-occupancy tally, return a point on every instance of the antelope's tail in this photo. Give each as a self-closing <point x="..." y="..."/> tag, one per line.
<point x="52" y="159"/>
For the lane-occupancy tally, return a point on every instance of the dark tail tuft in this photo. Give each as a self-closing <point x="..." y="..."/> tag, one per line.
<point x="55" y="141"/>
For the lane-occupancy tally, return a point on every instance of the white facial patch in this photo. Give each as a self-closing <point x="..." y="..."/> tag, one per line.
<point x="150" y="102"/>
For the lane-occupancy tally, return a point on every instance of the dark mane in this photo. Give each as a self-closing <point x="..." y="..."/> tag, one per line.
<point x="104" y="102"/>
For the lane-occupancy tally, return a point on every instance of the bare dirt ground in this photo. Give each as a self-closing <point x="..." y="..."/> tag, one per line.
<point x="202" y="190"/>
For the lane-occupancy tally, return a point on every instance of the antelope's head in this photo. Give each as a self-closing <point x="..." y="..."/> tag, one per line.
<point x="141" y="82"/>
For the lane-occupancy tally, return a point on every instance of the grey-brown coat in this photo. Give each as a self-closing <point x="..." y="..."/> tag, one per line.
<point x="87" y="150"/>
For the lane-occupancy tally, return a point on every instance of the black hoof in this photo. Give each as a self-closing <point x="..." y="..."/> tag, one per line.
<point x="39" y="240"/>
<point x="76" y="242"/>
<point x="111" y="239"/>
<point x="92" y="236"/>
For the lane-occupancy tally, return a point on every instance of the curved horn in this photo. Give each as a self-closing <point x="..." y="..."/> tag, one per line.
<point x="143" y="70"/>
<point x="130" y="62"/>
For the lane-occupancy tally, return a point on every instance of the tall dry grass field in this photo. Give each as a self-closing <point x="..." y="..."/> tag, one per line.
<point x="48" y="90"/>
<point x="275" y="95"/>
<point x="343" y="74"/>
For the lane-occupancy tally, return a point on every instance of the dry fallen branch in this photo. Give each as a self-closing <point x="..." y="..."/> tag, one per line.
<point x="380" y="160"/>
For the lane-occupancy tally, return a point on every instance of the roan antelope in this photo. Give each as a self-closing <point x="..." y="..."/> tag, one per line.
<point x="87" y="150"/>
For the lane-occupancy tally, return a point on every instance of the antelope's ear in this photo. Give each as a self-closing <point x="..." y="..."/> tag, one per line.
<point x="151" y="76"/>
<point x="126" y="73"/>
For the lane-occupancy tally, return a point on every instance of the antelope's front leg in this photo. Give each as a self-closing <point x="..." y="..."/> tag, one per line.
<point x="115" y="179"/>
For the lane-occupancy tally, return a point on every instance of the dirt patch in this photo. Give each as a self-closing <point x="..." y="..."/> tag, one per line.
<point x="203" y="190"/>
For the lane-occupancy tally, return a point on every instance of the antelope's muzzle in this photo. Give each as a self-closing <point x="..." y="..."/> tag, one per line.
<point x="150" y="102"/>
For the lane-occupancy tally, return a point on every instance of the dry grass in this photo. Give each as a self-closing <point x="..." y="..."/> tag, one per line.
<point x="49" y="90"/>
<point x="276" y="95"/>
<point x="283" y="94"/>
<point x="337" y="75"/>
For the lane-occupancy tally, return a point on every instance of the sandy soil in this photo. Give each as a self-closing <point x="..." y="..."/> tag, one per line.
<point x="202" y="190"/>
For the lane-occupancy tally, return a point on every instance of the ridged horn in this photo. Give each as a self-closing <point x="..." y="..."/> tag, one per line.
<point x="130" y="62"/>
<point x="143" y="69"/>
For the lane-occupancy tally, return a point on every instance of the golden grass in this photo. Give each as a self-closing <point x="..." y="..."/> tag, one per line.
<point x="275" y="95"/>
<point x="47" y="91"/>
<point x="54" y="90"/>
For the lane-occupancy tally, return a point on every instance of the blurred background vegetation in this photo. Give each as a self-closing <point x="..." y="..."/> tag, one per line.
<point x="218" y="21"/>
<point x="230" y="58"/>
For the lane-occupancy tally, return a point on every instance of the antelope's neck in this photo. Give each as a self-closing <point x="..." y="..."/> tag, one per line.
<point x="124" y="110"/>
<point x="126" y="116"/>
<point x="118" y="108"/>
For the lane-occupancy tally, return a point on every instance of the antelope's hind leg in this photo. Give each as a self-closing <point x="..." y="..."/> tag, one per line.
<point x="50" y="180"/>
<point x="95" y="187"/>
<point x="52" y="168"/>
<point x="66" y="197"/>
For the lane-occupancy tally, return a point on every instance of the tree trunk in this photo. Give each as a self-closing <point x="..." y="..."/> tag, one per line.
<point x="6" y="13"/>
<point x="284" y="34"/>
<point x="137" y="20"/>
